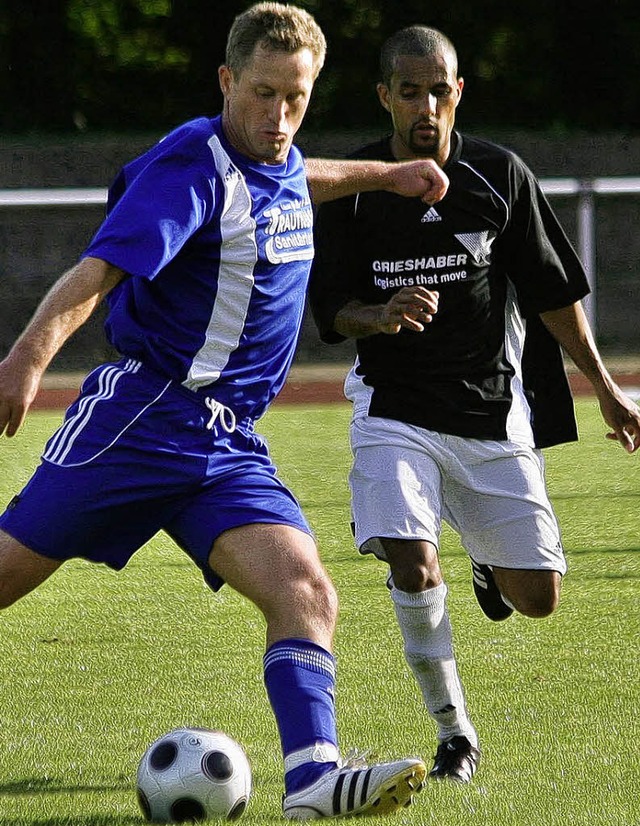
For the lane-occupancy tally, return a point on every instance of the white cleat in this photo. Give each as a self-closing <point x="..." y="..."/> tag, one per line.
<point x="346" y="790"/>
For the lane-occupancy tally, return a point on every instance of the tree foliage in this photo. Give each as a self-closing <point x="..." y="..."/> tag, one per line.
<point x="100" y="65"/>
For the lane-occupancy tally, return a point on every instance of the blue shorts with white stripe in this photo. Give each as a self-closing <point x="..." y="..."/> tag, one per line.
<point x="137" y="454"/>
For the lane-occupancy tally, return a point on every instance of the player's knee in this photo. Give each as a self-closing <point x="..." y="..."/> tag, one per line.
<point x="414" y="565"/>
<point x="319" y="598"/>
<point x="534" y="594"/>
<point x="539" y="602"/>
<point x="536" y="608"/>
<point x="416" y="578"/>
<point x="308" y="601"/>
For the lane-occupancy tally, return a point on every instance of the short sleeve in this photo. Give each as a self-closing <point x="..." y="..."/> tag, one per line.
<point x="154" y="214"/>
<point x="538" y="257"/>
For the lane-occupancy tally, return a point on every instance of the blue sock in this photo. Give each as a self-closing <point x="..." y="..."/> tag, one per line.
<point x="300" y="680"/>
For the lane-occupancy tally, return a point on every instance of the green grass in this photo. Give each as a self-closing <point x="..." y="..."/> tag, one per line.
<point x="95" y="665"/>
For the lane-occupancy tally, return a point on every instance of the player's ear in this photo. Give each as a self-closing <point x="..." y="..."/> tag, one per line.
<point x="460" y="88"/>
<point x="225" y="78"/>
<point x="383" y="96"/>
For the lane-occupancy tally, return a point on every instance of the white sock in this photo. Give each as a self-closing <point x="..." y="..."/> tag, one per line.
<point x="428" y="648"/>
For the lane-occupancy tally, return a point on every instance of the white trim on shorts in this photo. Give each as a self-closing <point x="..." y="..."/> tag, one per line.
<point x="406" y="480"/>
<point x="61" y="443"/>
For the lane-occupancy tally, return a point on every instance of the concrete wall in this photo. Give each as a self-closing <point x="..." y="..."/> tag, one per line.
<point x="38" y="244"/>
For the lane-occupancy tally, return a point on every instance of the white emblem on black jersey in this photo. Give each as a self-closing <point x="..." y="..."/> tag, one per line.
<point x="479" y="245"/>
<point x="430" y="216"/>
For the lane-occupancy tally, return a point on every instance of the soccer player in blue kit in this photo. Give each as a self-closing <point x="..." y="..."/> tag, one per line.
<point x="203" y="260"/>
<point x="458" y="312"/>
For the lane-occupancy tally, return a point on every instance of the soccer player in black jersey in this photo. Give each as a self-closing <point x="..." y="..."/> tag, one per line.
<point x="459" y="312"/>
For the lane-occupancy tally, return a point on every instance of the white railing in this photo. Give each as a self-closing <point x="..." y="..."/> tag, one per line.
<point x="52" y="197"/>
<point x="585" y="190"/>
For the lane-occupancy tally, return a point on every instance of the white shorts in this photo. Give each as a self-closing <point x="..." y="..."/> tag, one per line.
<point x="405" y="480"/>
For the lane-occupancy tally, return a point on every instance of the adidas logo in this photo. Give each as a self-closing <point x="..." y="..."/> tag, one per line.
<point x="445" y="710"/>
<point x="430" y="216"/>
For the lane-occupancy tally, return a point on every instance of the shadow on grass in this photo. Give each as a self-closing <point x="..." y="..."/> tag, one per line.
<point x="578" y="552"/>
<point x="52" y="785"/>
<point x="79" y="820"/>
<point x="565" y="496"/>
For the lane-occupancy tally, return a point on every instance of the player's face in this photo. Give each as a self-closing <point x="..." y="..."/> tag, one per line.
<point x="422" y="98"/>
<point x="265" y="103"/>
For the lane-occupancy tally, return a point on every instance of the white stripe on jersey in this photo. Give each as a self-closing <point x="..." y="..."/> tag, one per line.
<point x="358" y="393"/>
<point x="238" y="256"/>
<point x="64" y="438"/>
<point x="518" y="424"/>
<point x="493" y="189"/>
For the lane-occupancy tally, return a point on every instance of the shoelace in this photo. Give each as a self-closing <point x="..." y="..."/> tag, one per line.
<point x="355" y="759"/>
<point x="225" y="415"/>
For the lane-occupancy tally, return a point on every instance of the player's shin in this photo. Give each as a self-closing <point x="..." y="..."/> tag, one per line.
<point x="300" y="680"/>
<point x="426" y="631"/>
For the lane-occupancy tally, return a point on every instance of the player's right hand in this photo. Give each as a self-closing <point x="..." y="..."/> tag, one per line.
<point x="17" y="391"/>
<point x="421" y="178"/>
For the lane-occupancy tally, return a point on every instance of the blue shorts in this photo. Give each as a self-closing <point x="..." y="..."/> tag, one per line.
<point x="137" y="453"/>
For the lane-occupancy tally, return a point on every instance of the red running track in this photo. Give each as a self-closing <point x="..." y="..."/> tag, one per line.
<point x="310" y="391"/>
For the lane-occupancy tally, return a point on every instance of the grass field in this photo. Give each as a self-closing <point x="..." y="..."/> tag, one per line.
<point x="95" y="665"/>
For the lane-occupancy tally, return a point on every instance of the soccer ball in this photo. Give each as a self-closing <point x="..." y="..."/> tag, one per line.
<point x="191" y="774"/>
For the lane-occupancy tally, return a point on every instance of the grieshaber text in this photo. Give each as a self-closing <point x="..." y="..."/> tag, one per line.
<point x="418" y="266"/>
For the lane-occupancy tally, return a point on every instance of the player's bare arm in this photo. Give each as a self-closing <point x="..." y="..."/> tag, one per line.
<point x="411" y="308"/>
<point x="569" y="326"/>
<point x="329" y="179"/>
<point x="64" y="309"/>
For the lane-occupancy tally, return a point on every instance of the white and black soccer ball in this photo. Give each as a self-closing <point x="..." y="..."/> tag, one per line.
<point x="192" y="774"/>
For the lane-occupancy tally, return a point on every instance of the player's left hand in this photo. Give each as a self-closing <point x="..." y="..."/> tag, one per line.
<point x="623" y="416"/>
<point x="411" y="308"/>
<point x="420" y="179"/>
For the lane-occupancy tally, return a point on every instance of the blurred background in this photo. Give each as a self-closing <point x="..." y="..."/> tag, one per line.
<point x="87" y="84"/>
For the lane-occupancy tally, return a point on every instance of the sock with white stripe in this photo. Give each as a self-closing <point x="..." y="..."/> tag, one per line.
<point x="428" y="646"/>
<point x="300" y="680"/>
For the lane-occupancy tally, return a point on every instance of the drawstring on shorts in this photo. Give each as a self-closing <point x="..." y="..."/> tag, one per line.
<point x="219" y="412"/>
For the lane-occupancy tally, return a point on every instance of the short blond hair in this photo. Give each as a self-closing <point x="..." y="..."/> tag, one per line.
<point x="276" y="26"/>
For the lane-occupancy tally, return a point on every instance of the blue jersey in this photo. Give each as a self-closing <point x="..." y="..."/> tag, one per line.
<point x="218" y="249"/>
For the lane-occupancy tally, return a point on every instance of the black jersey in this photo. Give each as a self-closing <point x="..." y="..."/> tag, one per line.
<point x="497" y="255"/>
